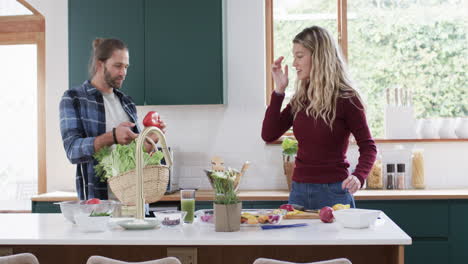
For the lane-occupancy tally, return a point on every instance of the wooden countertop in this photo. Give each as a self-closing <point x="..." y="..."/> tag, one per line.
<point x="282" y="195"/>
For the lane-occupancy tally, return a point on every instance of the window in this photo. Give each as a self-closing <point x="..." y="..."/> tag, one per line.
<point x="22" y="109"/>
<point x="417" y="45"/>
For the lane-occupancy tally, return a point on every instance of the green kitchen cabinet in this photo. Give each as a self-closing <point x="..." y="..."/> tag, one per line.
<point x="427" y="251"/>
<point x="122" y="19"/>
<point x="459" y="231"/>
<point x="175" y="47"/>
<point x="44" y="207"/>
<point x="418" y="218"/>
<point x="184" y="52"/>
<point x="426" y="221"/>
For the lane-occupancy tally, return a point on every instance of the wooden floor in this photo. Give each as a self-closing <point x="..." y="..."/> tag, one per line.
<point x="76" y="254"/>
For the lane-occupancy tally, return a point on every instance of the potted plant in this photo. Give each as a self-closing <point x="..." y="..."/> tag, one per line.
<point x="289" y="146"/>
<point x="227" y="207"/>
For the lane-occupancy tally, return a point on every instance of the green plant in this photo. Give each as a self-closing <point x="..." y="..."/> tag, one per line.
<point x="224" y="189"/>
<point x="289" y="146"/>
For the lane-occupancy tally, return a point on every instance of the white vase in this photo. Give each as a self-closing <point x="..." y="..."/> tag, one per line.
<point x="447" y="128"/>
<point x="429" y="129"/>
<point x="462" y="128"/>
<point x="417" y="127"/>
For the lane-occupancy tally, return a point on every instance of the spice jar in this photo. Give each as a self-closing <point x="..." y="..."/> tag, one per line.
<point x="375" y="178"/>
<point x="390" y="176"/>
<point x="400" y="178"/>
<point x="417" y="179"/>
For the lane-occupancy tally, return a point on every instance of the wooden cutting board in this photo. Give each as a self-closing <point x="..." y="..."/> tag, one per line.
<point x="305" y="215"/>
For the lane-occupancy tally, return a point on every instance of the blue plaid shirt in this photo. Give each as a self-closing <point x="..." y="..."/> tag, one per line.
<point x="82" y="119"/>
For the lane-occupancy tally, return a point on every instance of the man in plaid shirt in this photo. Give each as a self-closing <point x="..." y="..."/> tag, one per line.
<point x="97" y="114"/>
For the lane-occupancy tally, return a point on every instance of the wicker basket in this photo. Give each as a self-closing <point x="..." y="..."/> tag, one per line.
<point x="155" y="178"/>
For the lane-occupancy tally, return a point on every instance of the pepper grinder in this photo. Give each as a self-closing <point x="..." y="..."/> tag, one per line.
<point x="400" y="178"/>
<point x="390" y="176"/>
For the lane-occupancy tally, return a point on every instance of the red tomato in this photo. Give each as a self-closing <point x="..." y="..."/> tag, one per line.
<point x="93" y="201"/>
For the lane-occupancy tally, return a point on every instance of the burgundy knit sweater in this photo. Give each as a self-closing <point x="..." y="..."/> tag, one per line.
<point x="321" y="157"/>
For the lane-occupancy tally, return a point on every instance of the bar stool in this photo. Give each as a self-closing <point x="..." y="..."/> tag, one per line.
<point x="23" y="258"/>
<point x="273" y="261"/>
<point x="104" y="260"/>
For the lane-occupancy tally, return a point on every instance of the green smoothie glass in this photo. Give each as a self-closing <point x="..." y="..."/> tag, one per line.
<point x="187" y="204"/>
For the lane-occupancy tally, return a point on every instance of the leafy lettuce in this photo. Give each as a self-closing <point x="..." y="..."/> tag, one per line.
<point x="121" y="159"/>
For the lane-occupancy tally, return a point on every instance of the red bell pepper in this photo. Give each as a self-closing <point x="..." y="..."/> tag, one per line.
<point x="152" y="118"/>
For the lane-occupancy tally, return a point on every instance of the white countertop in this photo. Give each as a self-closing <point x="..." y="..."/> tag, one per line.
<point x="53" y="229"/>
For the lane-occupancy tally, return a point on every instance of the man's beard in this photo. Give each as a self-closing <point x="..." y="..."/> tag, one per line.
<point x="112" y="82"/>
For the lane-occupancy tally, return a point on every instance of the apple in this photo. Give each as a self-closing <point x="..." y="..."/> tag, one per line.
<point x="326" y="214"/>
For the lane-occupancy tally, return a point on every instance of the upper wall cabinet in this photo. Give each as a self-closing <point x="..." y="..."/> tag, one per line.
<point x="122" y="19"/>
<point x="175" y="47"/>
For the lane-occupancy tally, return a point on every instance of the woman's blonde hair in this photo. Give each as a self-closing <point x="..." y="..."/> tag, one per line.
<point x="328" y="80"/>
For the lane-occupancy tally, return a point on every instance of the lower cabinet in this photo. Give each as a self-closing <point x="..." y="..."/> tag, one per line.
<point x="458" y="231"/>
<point x="427" y="251"/>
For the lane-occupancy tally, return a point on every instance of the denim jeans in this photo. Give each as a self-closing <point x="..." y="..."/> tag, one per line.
<point x="317" y="195"/>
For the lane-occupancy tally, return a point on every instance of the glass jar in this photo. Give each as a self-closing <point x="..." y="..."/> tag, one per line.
<point x="417" y="175"/>
<point x="375" y="178"/>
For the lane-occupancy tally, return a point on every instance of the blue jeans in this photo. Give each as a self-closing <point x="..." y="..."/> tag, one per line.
<point x="316" y="195"/>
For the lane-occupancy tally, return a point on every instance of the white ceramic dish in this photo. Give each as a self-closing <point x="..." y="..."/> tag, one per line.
<point x="356" y="218"/>
<point x="134" y="224"/>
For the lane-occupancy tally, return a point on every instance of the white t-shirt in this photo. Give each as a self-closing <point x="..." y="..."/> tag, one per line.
<point x="115" y="115"/>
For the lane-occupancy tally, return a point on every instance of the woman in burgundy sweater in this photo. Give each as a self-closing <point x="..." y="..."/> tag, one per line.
<point x="323" y="112"/>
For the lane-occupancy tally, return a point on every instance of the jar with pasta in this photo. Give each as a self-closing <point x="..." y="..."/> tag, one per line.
<point x="375" y="178"/>
<point x="417" y="175"/>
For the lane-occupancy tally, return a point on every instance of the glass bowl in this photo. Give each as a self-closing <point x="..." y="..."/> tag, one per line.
<point x="71" y="208"/>
<point x="87" y="223"/>
<point x="171" y="218"/>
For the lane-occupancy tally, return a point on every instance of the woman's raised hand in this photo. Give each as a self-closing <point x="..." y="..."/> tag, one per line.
<point x="280" y="77"/>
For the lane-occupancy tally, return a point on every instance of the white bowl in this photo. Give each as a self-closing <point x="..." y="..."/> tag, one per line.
<point x="356" y="218"/>
<point x="86" y="223"/>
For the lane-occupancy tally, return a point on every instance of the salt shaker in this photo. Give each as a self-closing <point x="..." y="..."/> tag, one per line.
<point x="390" y="176"/>
<point x="400" y="178"/>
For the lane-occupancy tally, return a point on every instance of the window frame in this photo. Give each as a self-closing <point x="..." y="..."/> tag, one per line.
<point x="30" y="29"/>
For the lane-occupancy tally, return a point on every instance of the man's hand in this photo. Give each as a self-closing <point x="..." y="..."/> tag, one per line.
<point x="155" y="138"/>
<point x="124" y="133"/>
<point x="351" y="183"/>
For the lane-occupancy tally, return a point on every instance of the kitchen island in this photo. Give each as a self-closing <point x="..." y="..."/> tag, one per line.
<point x="54" y="240"/>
